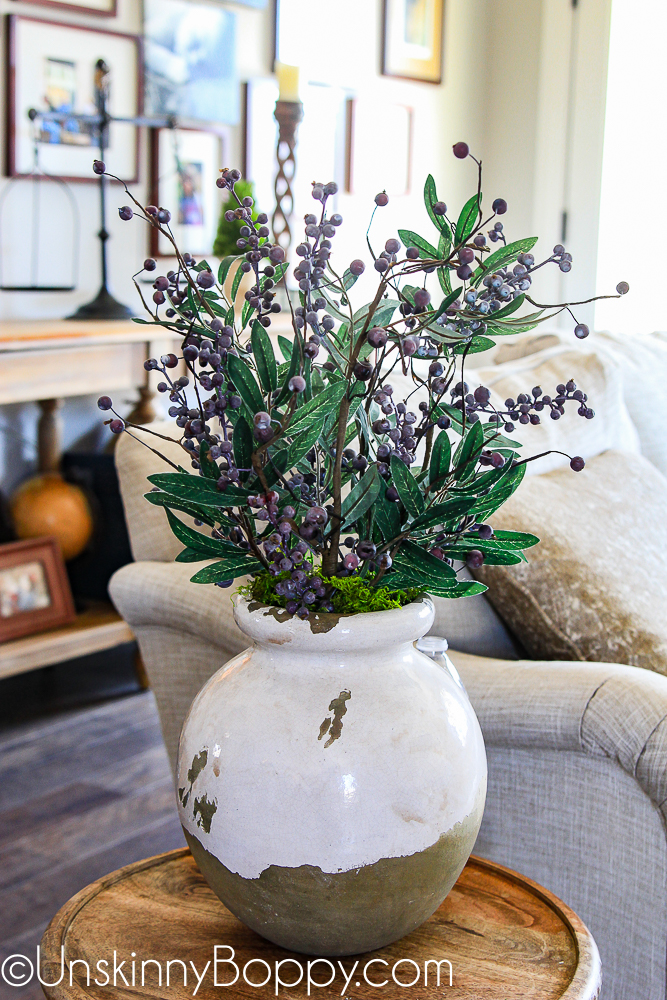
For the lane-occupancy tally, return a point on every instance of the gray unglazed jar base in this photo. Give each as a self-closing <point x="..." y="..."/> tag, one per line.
<point x="331" y="779"/>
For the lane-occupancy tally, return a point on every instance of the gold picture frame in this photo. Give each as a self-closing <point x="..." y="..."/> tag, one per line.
<point x="412" y="39"/>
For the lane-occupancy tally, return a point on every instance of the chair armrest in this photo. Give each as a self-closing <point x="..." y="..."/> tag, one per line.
<point x="598" y="709"/>
<point x="161" y="594"/>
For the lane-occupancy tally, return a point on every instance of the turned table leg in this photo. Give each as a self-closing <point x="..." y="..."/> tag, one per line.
<point x="49" y="435"/>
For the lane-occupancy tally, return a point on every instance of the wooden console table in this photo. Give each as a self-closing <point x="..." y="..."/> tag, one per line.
<point x="46" y="361"/>
<point x="505" y="937"/>
<point x="49" y="360"/>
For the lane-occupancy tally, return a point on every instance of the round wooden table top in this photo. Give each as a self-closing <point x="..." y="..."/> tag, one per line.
<point x="505" y="937"/>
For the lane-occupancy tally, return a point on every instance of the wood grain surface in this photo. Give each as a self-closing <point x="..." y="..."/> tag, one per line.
<point x="98" y="627"/>
<point x="505" y="936"/>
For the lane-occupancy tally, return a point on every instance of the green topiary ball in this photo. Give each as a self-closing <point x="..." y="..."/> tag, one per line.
<point x="228" y="232"/>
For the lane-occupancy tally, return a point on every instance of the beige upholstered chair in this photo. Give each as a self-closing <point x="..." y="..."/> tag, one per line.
<point x="577" y="751"/>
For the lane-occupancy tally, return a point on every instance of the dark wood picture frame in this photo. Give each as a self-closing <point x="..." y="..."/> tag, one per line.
<point x="154" y="135"/>
<point x="80" y="8"/>
<point x="403" y="65"/>
<point x="60" y="610"/>
<point x="11" y="57"/>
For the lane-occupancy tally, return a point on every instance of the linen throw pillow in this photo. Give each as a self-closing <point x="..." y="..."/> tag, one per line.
<point x="595" y="586"/>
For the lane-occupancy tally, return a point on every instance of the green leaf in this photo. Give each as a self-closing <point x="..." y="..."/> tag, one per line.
<point x="505" y="255"/>
<point x="387" y="518"/>
<point x="276" y="467"/>
<point x="165" y="500"/>
<point x="242" y="442"/>
<point x="510" y="308"/>
<point x="469" y="450"/>
<point x="444" y="274"/>
<point x="236" y="282"/>
<point x="442" y="513"/>
<point x="422" y="566"/>
<point x="208" y="466"/>
<point x="430" y="198"/>
<point x="189" y="555"/>
<point x="349" y="279"/>
<point x="246" y="313"/>
<point x="446" y="302"/>
<point x="225" y="265"/>
<point x="475" y="346"/>
<point x="197" y="489"/>
<point x="245" y="384"/>
<point x="464" y="588"/>
<point x="485" y="506"/>
<point x="410" y="239"/>
<point x="303" y="442"/>
<point x="286" y="347"/>
<point x="200" y="543"/>
<point x="262" y="352"/>
<point x="441" y="457"/>
<point x="407" y="486"/>
<point x="502" y="541"/>
<point x="361" y="497"/>
<point x="294" y="363"/>
<point x="492" y="557"/>
<point x="467" y="219"/>
<point x="227" y="569"/>
<point x="319" y="406"/>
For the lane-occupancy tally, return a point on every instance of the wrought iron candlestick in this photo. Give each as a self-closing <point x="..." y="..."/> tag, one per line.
<point x="104" y="305"/>
<point x="288" y="114"/>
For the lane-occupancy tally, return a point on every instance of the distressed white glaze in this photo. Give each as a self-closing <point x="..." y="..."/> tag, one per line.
<point x="409" y="763"/>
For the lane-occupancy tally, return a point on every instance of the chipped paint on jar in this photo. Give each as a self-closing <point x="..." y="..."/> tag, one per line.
<point x="331" y="778"/>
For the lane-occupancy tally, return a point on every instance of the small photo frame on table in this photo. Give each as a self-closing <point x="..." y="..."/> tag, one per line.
<point x="412" y="43"/>
<point x="105" y="8"/>
<point x="52" y="68"/>
<point x="34" y="589"/>
<point x="185" y="164"/>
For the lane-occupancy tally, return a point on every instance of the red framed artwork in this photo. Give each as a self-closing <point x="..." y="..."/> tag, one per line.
<point x="34" y="589"/>
<point x="184" y="166"/>
<point x="51" y="67"/>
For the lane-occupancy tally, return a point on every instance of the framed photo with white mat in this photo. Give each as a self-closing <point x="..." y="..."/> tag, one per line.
<point x="185" y="164"/>
<point x="52" y="68"/>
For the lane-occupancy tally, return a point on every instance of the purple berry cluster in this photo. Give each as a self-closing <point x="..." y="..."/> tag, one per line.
<point x="525" y="409"/>
<point x="309" y="469"/>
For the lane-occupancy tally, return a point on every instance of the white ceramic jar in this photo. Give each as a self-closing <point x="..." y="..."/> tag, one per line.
<point x="331" y="778"/>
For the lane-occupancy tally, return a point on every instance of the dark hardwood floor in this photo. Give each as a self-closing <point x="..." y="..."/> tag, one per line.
<point x="82" y="792"/>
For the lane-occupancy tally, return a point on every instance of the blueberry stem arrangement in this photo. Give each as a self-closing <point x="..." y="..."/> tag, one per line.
<point x="312" y="474"/>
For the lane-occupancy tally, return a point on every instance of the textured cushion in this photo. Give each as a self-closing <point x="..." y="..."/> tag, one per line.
<point x="594" y="588"/>
<point x="150" y="535"/>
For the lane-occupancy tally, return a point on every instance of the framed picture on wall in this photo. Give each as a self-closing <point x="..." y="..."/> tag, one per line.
<point x="52" y="68"/>
<point x="191" y="61"/>
<point x="184" y="168"/>
<point x="412" y="43"/>
<point x="34" y="590"/>
<point x="107" y="8"/>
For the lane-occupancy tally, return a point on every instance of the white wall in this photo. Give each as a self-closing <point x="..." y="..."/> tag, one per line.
<point x="545" y="116"/>
<point x="633" y="176"/>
